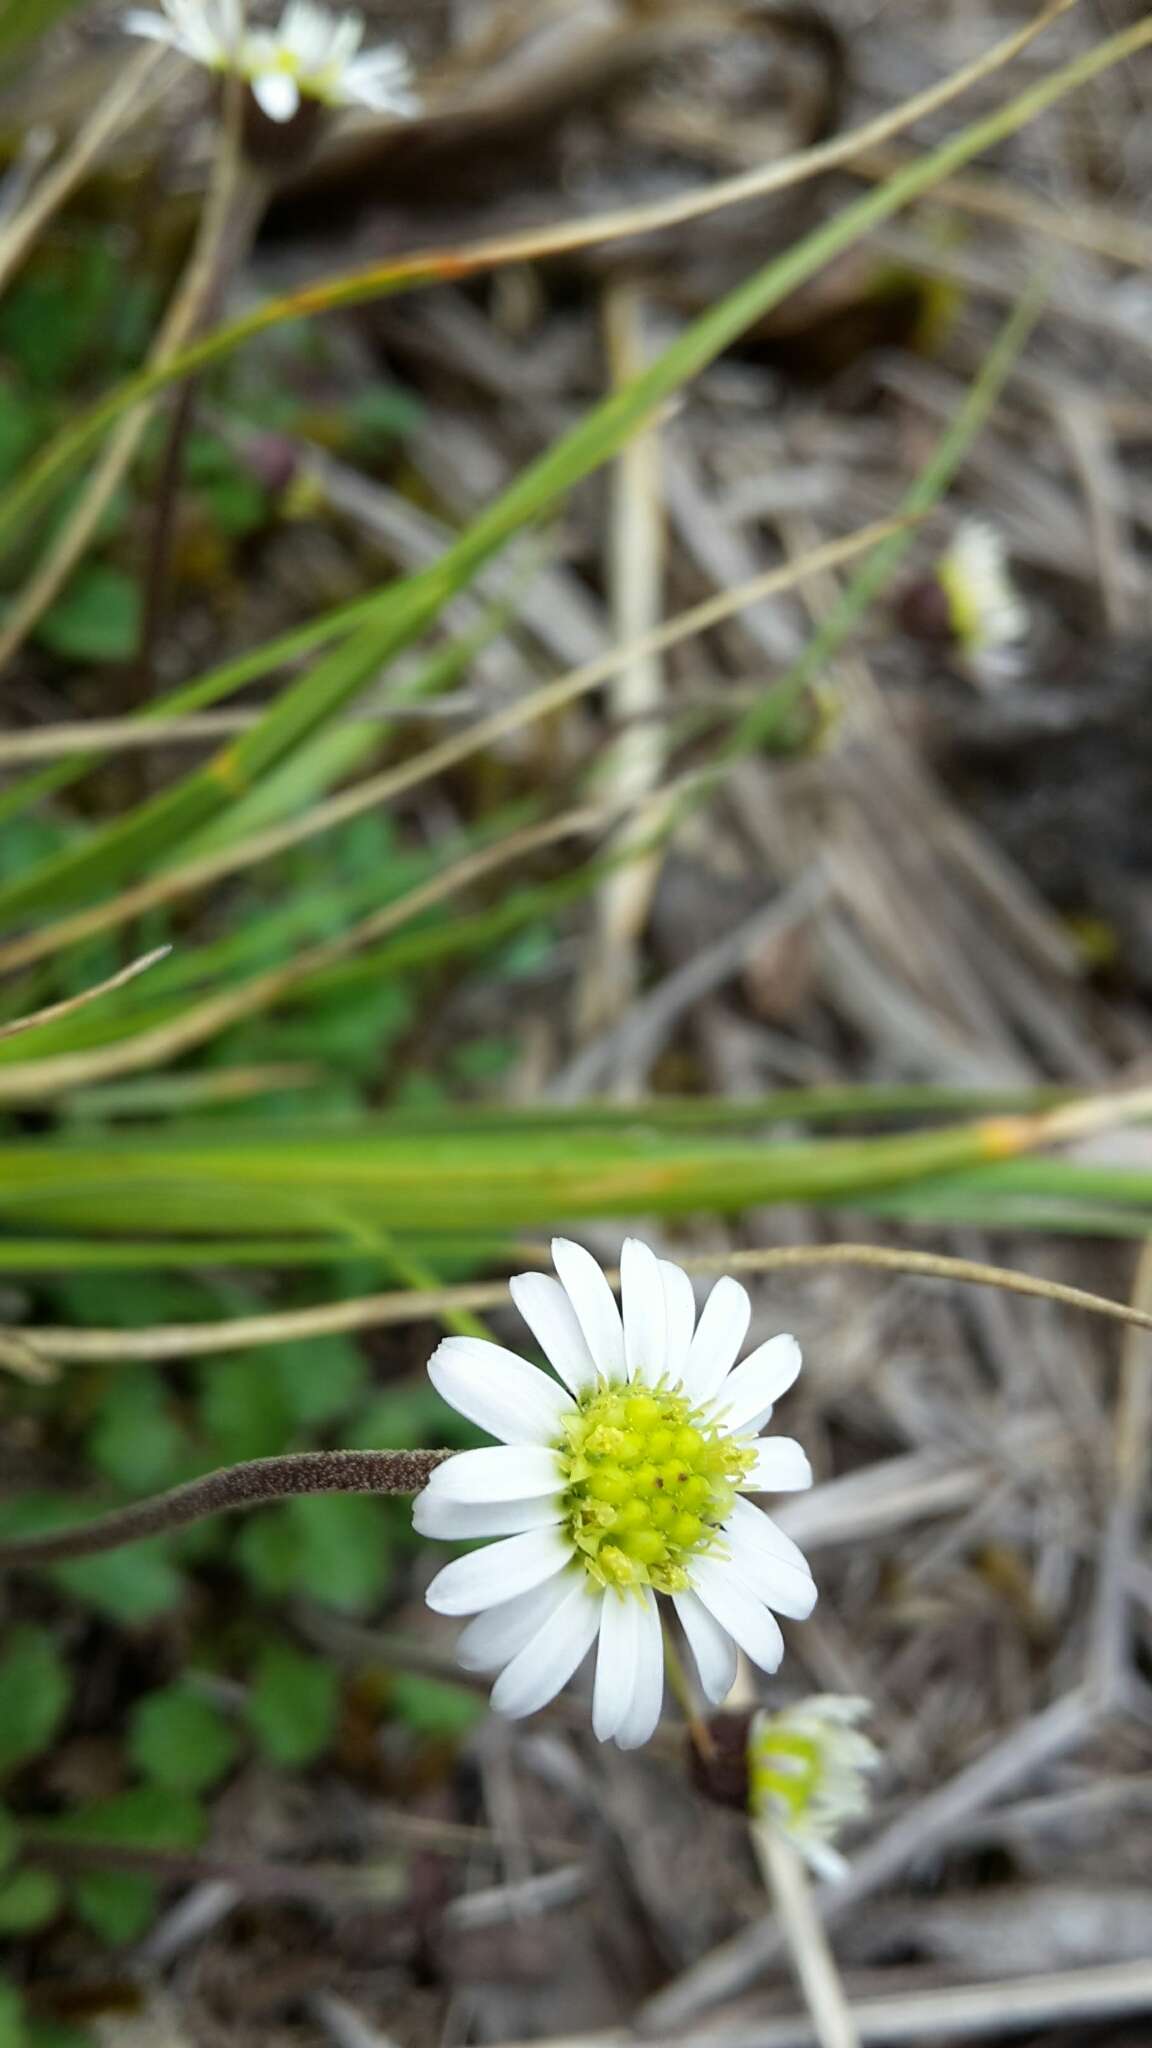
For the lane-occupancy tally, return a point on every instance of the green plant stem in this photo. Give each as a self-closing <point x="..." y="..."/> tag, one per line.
<point x="252" y="1484"/>
<point x="684" y="1693"/>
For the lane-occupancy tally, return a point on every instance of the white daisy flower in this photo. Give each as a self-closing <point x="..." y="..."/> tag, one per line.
<point x="806" y="1770"/>
<point x="620" y="1480"/>
<point x="312" y="55"/>
<point x="985" y="611"/>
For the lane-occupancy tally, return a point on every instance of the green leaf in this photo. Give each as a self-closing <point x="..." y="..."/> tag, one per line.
<point x="135" y="1440"/>
<point x="344" y="1557"/>
<point x="29" y="1898"/>
<point x="132" y="1585"/>
<point x="180" y="1740"/>
<point x="268" y="1552"/>
<point x="49" y="2034"/>
<point x="13" y="2021"/>
<point x="35" y="1688"/>
<point x="20" y="21"/>
<point x="97" y="619"/>
<point x="243" y="1409"/>
<point x="9" y="1838"/>
<point x="146" y="1817"/>
<point x="292" y="1705"/>
<point x="118" y="1905"/>
<point x="319" y="1380"/>
<point x="434" y="1708"/>
<point x="408" y="1418"/>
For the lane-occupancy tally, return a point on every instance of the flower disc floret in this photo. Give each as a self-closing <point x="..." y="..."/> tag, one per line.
<point x="648" y="1482"/>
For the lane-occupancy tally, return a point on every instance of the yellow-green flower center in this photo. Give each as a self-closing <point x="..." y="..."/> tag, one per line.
<point x="648" y="1479"/>
<point x="785" y="1771"/>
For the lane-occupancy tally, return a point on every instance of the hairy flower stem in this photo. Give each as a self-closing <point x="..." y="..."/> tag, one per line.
<point x="253" y="1484"/>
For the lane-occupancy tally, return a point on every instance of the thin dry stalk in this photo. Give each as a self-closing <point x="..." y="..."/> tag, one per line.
<point x="378" y="1311"/>
<point x="90" y="995"/>
<point x="787" y="1881"/>
<point x="236" y="195"/>
<point x="633" y="765"/>
<point x="125" y="101"/>
<point x="1131" y="1453"/>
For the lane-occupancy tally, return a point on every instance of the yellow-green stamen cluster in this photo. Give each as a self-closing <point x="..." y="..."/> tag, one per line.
<point x="786" y="1771"/>
<point x="648" y="1479"/>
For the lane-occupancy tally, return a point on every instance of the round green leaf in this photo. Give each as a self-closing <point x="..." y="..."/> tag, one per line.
<point x="180" y="1740"/>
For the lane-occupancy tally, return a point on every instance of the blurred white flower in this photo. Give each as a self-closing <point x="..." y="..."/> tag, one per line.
<point x="806" y="1770"/>
<point x="985" y="611"/>
<point x="624" y="1482"/>
<point x="312" y="55"/>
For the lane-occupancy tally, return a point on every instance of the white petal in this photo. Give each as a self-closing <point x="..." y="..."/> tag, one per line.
<point x="503" y="1394"/>
<point x="549" y="1659"/>
<point x="680" y="1309"/>
<point x="745" y="1618"/>
<point x="720" y="1332"/>
<point x="750" y="1393"/>
<point x="276" y="94"/>
<point x="552" y="1320"/>
<point x="455" y="1521"/>
<point x="485" y="1578"/>
<point x="154" y="26"/>
<point x="493" y="1638"/>
<point x="506" y="1472"/>
<point x="827" y="1862"/>
<point x="594" y="1303"/>
<point x="616" y="1661"/>
<point x="713" y="1650"/>
<point x="644" y="1313"/>
<point x="383" y="88"/>
<point x="638" y="1722"/>
<point x="781" y="1467"/>
<point x="759" y="1528"/>
<point x="778" y="1584"/>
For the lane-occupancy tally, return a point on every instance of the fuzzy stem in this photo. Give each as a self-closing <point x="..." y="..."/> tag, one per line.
<point x="253" y="1484"/>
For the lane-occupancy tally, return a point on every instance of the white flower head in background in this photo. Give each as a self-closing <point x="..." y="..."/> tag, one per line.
<point x="621" y="1480"/>
<point x="312" y="55"/>
<point x="986" y="613"/>
<point x="806" y="1772"/>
